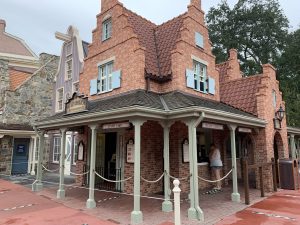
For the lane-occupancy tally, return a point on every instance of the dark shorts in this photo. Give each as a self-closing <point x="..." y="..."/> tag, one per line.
<point x="216" y="167"/>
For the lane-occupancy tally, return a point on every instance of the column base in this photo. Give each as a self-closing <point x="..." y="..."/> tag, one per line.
<point x="235" y="197"/>
<point x="167" y="206"/>
<point x="136" y="217"/>
<point x="32" y="173"/>
<point x="37" y="187"/>
<point x="90" y="204"/>
<point x="195" y="214"/>
<point x="61" y="194"/>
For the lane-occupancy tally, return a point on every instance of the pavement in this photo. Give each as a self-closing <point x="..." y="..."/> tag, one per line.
<point x="20" y="206"/>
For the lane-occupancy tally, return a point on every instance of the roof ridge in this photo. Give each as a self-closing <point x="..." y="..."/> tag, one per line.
<point x="171" y="20"/>
<point x="134" y="13"/>
<point x="243" y="78"/>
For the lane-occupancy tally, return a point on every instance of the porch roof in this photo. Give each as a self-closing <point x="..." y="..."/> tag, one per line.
<point x="293" y="130"/>
<point x="164" y="105"/>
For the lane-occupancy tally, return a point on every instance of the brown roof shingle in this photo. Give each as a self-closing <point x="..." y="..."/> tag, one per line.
<point x="241" y="93"/>
<point x="17" y="77"/>
<point x="159" y="41"/>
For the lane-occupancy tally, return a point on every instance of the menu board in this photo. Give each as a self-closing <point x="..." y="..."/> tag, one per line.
<point x="130" y="151"/>
<point x="185" y="151"/>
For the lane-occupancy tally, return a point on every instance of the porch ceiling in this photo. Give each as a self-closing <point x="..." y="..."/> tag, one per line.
<point x="150" y="105"/>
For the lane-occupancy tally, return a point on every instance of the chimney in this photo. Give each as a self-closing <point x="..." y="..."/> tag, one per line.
<point x="2" y="25"/>
<point x="107" y="4"/>
<point x="196" y="3"/>
<point x="269" y="70"/>
<point x="233" y="55"/>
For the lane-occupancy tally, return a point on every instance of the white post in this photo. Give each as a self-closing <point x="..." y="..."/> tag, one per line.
<point x="177" y="212"/>
<point x="61" y="190"/>
<point x="30" y="155"/>
<point x="167" y="204"/>
<point x="136" y="214"/>
<point x="37" y="185"/>
<point x="235" y="196"/>
<point x="33" y="156"/>
<point x="91" y="203"/>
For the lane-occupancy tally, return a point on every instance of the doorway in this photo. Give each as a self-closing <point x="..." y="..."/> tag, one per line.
<point x="20" y="156"/>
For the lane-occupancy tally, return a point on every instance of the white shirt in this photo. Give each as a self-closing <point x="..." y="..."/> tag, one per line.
<point x="215" y="159"/>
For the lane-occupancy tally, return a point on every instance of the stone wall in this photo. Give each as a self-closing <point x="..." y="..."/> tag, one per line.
<point x="32" y="100"/>
<point x="6" y="149"/>
<point x="4" y="83"/>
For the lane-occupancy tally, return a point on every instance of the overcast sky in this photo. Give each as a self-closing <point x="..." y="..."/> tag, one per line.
<point x="36" y="21"/>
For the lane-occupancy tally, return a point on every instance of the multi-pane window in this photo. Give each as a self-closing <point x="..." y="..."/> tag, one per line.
<point x="106" y="29"/>
<point x="76" y="87"/>
<point x="105" y="77"/>
<point x="69" y="67"/>
<point x="56" y="149"/>
<point x="199" y="76"/>
<point x="60" y="96"/>
<point x="274" y="98"/>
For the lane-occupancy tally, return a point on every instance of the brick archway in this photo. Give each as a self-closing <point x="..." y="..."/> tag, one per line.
<point x="278" y="147"/>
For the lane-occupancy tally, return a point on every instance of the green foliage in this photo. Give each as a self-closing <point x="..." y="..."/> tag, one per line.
<point x="256" y="28"/>
<point x="289" y="76"/>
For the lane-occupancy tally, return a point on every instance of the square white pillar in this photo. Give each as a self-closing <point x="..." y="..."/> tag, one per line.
<point x="61" y="190"/>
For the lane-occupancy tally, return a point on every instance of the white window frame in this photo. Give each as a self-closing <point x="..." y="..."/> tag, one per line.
<point x="105" y="77"/>
<point x="274" y="98"/>
<point x="58" y="100"/>
<point x="73" y="86"/>
<point x="71" y="48"/>
<point x="200" y="75"/>
<point x="69" y="70"/>
<point x="106" y="29"/>
<point x="57" y="147"/>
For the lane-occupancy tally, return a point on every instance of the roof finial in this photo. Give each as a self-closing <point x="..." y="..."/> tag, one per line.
<point x="196" y="3"/>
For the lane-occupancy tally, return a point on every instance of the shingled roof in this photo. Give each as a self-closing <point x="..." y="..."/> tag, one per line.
<point x="159" y="41"/>
<point x="241" y="93"/>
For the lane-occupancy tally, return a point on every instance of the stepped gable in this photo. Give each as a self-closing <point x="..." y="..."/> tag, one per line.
<point x="241" y="93"/>
<point x="159" y="41"/>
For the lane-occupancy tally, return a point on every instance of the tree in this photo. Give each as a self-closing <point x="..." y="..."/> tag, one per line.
<point x="289" y="77"/>
<point x="256" y="28"/>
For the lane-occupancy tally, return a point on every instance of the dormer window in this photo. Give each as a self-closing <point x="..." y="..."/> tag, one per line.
<point x="106" y="29"/>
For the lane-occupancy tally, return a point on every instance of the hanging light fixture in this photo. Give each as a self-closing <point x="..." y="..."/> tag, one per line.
<point x="280" y="113"/>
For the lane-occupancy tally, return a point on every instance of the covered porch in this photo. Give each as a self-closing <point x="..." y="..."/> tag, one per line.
<point x="158" y="137"/>
<point x="294" y="141"/>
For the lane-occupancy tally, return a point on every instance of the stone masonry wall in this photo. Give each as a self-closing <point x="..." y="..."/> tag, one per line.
<point x="4" y="83"/>
<point x="6" y="149"/>
<point x="32" y="100"/>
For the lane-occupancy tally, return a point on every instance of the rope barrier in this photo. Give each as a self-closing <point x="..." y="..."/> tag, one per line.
<point x="214" y="181"/>
<point x="50" y="171"/>
<point x="79" y="174"/>
<point x="175" y="178"/>
<point x="154" y="181"/>
<point x="112" y="181"/>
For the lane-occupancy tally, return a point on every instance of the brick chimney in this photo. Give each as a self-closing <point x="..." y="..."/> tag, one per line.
<point x="269" y="70"/>
<point x="196" y="3"/>
<point x="2" y="25"/>
<point x="107" y="4"/>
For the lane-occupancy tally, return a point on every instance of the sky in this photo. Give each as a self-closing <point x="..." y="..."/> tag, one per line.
<point x="36" y="21"/>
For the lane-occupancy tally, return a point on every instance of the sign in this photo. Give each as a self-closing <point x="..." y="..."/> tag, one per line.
<point x="80" y="156"/>
<point x="130" y="151"/>
<point x="185" y="151"/>
<point x="77" y="103"/>
<point x="244" y="130"/>
<point x="21" y="149"/>
<point x="213" y="126"/>
<point x="115" y="125"/>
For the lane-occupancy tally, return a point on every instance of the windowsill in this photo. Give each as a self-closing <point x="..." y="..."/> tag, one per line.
<point x="104" y="92"/>
<point x="55" y="162"/>
<point x="203" y="164"/>
<point x="103" y="40"/>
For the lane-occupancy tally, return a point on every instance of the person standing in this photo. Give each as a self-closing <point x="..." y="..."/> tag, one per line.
<point x="216" y="165"/>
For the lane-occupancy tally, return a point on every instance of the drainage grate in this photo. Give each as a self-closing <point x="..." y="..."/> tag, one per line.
<point x="274" y="215"/>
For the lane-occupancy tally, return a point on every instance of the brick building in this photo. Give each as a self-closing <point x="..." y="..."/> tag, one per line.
<point x="25" y="96"/>
<point x="152" y="101"/>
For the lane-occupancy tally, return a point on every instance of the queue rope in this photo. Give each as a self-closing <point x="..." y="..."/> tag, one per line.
<point x="112" y="181"/>
<point x="153" y="181"/>
<point x="175" y="178"/>
<point x="50" y="171"/>
<point x="79" y="174"/>
<point x="214" y="181"/>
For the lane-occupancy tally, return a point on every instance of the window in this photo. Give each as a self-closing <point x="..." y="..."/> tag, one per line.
<point x="199" y="76"/>
<point x="106" y="29"/>
<point x="274" y="98"/>
<point x="59" y="99"/>
<point x="76" y="87"/>
<point x="69" y="66"/>
<point x="69" y="48"/>
<point x="105" y="77"/>
<point x="56" y="149"/>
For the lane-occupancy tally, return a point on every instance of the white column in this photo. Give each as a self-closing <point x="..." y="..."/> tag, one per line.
<point x="167" y="205"/>
<point x="33" y="156"/>
<point x="136" y="214"/>
<point x="61" y="190"/>
<point x="91" y="203"/>
<point x="30" y="155"/>
<point x="177" y="211"/>
<point x="37" y="185"/>
<point x="293" y="146"/>
<point x="235" y="196"/>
